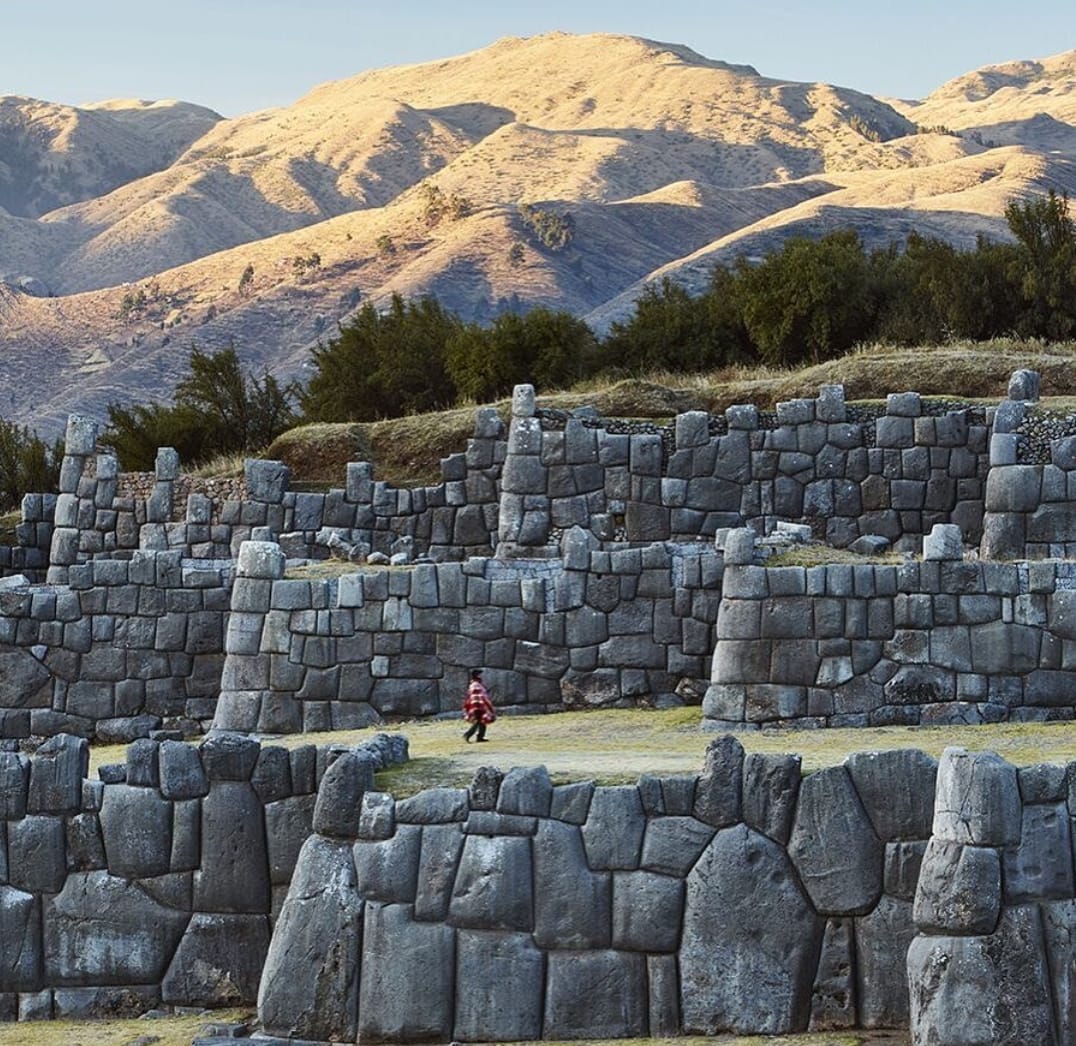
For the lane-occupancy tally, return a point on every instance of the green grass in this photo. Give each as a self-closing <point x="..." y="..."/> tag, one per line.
<point x="618" y="746"/>
<point x="166" y="1031"/>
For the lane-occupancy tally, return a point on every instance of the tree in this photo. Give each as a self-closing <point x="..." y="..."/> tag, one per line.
<point x="218" y="409"/>
<point x="1045" y="265"/>
<point x="246" y="281"/>
<point x="673" y="330"/>
<point x="383" y="364"/>
<point x="546" y="348"/>
<point x="27" y="463"/>
<point x="810" y="301"/>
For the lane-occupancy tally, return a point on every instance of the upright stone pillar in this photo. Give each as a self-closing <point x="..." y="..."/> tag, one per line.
<point x="80" y="443"/>
<point x="523" y="524"/>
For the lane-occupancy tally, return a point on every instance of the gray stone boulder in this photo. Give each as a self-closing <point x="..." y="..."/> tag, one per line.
<point x="104" y="930"/>
<point x="771" y="785"/>
<point x="672" y="845"/>
<point x="494" y="886"/>
<point x="613" y="832"/>
<point x="959" y="889"/>
<point x="572" y="904"/>
<point x="647" y="911"/>
<point x="234" y="872"/>
<point x="834" y="847"/>
<point x="20" y="932"/>
<point x="14" y="782"/>
<point x="218" y="962"/>
<point x="750" y="940"/>
<point x="309" y="984"/>
<point x="229" y="756"/>
<point x="882" y="940"/>
<point x="977" y="800"/>
<point x="526" y="790"/>
<point x="507" y="1005"/>
<point x="719" y="789"/>
<point x="897" y="791"/>
<point x="1041" y="866"/>
<point x="56" y="774"/>
<point x="387" y="871"/>
<point x="1024" y="385"/>
<point x="595" y="995"/>
<point x="137" y="827"/>
<point x="339" y="804"/>
<point x="982" y="991"/>
<point x="442" y="845"/>
<point x="407" y="987"/>
<point x="833" y="997"/>
<point x="36" y="854"/>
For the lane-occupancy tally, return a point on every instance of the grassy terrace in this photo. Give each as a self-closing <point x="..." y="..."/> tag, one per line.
<point x="617" y="746"/>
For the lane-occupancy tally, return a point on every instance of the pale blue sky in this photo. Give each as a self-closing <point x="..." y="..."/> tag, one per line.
<point x="239" y="55"/>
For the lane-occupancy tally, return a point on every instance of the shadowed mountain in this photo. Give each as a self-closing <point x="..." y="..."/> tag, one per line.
<point x="126" y="226"/>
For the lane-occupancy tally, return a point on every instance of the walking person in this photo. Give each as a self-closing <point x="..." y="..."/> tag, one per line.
<point x="478" y="709"/>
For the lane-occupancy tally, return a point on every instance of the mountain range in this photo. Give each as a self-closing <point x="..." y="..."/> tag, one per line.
<point x="558" y="170"/>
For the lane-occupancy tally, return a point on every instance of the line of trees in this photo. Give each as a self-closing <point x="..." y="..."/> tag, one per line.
<point x="808" y="301"/>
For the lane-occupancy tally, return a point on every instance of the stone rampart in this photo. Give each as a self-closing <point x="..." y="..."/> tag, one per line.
<point x="931" y="641"/>
<point x="748" y="899"/>
<point x="158" y="883"/>
<point x="122" y="646"/>
<point x="847" y="471"/>
<point x="591" y="628"/>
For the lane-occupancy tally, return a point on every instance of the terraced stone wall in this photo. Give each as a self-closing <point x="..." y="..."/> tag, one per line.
<point x="97" y="513"/>
<point x="942" y="640"/>
<point x="159" y="883"/>
<point x="882" y="893"/>
<point x="122" y="647"/>
<point x="847" y="471"/>
<point x="594" y="627"/>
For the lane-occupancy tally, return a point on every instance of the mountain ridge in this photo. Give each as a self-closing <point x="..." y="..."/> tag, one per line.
<point x="415" y="179"/>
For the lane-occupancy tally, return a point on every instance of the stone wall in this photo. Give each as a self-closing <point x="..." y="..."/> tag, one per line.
<point x="994" y="963"/>
<point x="100" y="512"/>
<point x="591" y="628"/>
<point x="882" y="893"/>
<point x="847" y="471"/>
<point x="747" y="898"/>
<point x="158" y="883"/>
<point x="124" y="646"/>
<point x="941" y="640"/>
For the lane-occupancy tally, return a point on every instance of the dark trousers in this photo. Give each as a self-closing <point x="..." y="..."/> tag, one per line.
<point x="476" y="727"/>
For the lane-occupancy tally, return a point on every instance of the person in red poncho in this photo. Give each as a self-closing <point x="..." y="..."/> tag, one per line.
<point x="478" y="709"/>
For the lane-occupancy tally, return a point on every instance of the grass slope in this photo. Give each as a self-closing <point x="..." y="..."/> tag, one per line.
<point x="407" y="451"/>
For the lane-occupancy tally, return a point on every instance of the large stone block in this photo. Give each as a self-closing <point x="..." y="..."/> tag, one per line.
<point x="104" y="930"/>
<point x="896" y="812"/>
<point x="771" y="784"/>
<point x="647" y="911"/>
<point x="959" y="889"/>
<point x="288" y="824"/>
<point x="982" y="991"/>
<point x="218" y="962"/>
<point x="309" y="985"/>
<point x="747" y="958"/>
<point x="56" y="774"/>
<point x="137" y="827"/>
<point x="494" y="886"/>
<point x="977" y="800"/>
<point x="834" y="847"/>
<point x="20" y="932"/>
<point x="572" y="904"/>
<point x="833" y="997"/>
<point x="719" y="789"/>
<point x="613" y="833"/>
<point x="234" y="873"/>
<point x="387" y="870"/>
<point x="407" y="987"/>
<point x="882" y="940"/>
<point x="672" y="845"/>
<point x="500" y="979"/>
<point x="595" y="995"/>
<point x="339" y="802"/>
<point x="1041" y="866"/>
<point x="442" y="845"/>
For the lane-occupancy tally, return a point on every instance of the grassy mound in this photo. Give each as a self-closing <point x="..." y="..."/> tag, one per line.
<point x="407" y="451"/>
